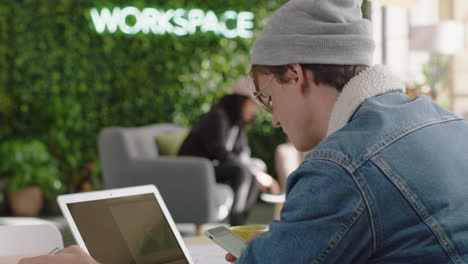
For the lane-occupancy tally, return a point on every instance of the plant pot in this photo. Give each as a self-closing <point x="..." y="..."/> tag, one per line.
<point x="27" y="201"/>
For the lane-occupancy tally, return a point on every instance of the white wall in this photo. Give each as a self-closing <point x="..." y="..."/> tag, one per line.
<point x="403" y="62"/>
<point x="460" y="64"/>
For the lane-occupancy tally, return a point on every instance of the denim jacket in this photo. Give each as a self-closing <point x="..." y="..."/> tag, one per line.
<point x="388" y="185"/>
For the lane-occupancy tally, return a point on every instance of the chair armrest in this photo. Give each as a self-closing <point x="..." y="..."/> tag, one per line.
<point x="187" y="185"/>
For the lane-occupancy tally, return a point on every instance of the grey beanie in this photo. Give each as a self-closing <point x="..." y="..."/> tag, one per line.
<point x="316" y="32"/>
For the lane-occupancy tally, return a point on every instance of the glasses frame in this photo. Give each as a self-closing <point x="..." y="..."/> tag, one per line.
<point x="258" y="95"/>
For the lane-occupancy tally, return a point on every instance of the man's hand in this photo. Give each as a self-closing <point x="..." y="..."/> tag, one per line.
<point x="69" y="255"/>
<point x="231" y="258"/>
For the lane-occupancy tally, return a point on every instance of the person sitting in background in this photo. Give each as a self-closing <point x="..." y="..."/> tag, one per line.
<point x="220" y="136"/>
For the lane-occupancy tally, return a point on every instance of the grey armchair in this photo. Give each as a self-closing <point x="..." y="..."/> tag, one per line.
<point x="129" y="157"/>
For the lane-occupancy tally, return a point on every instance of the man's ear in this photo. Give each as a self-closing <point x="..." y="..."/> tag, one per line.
<point x="299" y="76"/>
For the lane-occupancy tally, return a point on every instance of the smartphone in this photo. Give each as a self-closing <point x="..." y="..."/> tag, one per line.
<point x="227" y="240"/>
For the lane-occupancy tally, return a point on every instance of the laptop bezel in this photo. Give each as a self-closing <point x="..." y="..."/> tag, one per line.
<point x="65" y="199"/>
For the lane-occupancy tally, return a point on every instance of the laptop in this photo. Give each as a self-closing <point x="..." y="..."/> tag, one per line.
<point x="124" y="226"/>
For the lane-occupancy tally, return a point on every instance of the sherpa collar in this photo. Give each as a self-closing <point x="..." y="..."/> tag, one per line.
<point x="369" y="83"/>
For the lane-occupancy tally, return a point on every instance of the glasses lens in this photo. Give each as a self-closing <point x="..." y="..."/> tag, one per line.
<point x="265" y="102"/>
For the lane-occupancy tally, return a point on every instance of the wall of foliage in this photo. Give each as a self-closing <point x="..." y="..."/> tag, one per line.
<point x="61" y="82"/>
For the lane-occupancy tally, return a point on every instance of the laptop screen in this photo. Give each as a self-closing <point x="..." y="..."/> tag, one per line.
<point x="127" y="230"/>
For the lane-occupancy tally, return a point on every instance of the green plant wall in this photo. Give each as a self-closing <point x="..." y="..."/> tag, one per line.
<point x="61" y="82"/>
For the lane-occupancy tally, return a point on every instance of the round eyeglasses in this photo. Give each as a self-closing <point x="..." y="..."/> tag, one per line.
<point x="262" y="99"/>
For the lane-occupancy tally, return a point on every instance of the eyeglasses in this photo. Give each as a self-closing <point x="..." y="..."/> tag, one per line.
<point x="262" y="99"/>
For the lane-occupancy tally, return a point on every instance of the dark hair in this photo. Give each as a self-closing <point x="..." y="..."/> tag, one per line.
<point x="232" y="105"/>
<point x="334" y="75"/>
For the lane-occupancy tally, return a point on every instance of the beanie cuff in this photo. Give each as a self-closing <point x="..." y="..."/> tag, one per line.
<point x="314" y="49"/>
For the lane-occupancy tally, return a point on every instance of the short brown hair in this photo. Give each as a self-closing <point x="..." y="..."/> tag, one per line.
<point x="334" y="75"/>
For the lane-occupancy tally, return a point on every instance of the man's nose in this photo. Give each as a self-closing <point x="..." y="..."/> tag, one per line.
<point x="275" y="121"/>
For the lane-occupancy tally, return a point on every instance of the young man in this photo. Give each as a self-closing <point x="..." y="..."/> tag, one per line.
<point x="386" y="180"/>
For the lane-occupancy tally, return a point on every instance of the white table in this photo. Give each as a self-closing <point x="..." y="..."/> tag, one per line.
<point x="201" y="249"/>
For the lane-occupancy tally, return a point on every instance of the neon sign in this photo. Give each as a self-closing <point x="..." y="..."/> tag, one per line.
<point x="180" y="22"/>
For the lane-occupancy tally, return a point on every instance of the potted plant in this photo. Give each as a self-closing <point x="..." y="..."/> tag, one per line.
<point x="30" y="173"/>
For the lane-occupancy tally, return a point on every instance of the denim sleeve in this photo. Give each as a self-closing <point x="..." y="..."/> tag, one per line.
<point x="324" y="220"/>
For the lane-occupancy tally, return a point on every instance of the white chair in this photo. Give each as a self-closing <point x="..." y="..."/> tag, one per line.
<point x="130" y="157"/>
<point x="27" y="239"/>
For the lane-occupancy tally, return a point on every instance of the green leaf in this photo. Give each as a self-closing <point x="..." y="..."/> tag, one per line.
<point x="62" y="82"/>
